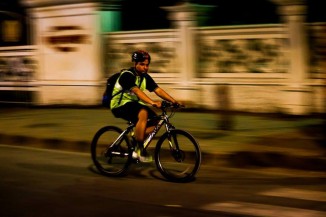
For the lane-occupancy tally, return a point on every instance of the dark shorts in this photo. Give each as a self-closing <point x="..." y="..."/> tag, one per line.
<point x="130" y="112"/>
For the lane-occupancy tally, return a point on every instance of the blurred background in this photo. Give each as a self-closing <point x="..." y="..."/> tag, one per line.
<point x="256" y="56"/>
<point x="237" y="63"/>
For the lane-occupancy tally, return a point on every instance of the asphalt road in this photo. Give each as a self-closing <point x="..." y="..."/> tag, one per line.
<point x="39" y="182"/>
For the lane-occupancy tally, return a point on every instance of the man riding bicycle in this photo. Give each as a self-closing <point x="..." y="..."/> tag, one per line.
<point x="131" y="104"/>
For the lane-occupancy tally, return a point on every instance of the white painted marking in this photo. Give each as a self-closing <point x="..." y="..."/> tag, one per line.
<point x="262" y="210"/>
<point x="45" y="150"/>
<point x="173" y="205"/>
<point x="297" y="194"/>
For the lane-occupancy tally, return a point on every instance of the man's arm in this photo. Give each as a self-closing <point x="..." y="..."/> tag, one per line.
<point x="143" y="97"/>
<point x="164" y="95"/>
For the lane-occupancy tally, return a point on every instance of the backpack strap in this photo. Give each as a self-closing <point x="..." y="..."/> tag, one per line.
<point x="122" y="91"/>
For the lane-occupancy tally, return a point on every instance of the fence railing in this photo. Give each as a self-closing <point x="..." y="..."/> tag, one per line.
<point x="242" y="49"/>
<point x="18" y="63"/>
<point x="220" y="50"/>
<point x="232" y="53"/>
<point x="162" y="45"/>
<point x="18" y="70"/>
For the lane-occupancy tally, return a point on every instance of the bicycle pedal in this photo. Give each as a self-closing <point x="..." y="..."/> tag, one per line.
<point x="135" y="161"/>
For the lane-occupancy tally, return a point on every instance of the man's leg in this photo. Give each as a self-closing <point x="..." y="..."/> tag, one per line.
<point x="141" y="129"/>
<point x="141" y="124"/>
<point x="140" y="133"/>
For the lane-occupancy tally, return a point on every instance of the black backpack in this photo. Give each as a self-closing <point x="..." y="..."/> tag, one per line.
<point x="107" y="95"/>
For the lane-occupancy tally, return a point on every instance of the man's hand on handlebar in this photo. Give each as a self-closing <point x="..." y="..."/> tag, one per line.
<point x="166" y="104"/>
<point x="157" y="104"/>
<point x="178" y="104"/>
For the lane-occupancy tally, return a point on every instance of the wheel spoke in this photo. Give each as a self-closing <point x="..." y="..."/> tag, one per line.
<point x="178" y="156"/>
<point x="111" y="157"/>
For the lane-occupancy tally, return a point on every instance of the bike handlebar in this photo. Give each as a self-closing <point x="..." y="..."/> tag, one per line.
<point x="166" y="104"/>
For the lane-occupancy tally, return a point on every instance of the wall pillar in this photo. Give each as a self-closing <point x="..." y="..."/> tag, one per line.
<point x="68" y="43"/>
<point x="297" y="93"/>
<point x="184" y="19"/>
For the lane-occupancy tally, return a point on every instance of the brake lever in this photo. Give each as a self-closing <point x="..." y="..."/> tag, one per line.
<point x="177" y="105"/>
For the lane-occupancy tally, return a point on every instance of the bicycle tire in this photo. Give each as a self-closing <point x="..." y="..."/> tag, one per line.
<point x="111" y="160"/>
<point x="181" y="163"/>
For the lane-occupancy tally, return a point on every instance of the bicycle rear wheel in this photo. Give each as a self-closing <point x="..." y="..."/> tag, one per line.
<point x="111" y="158"/>
<point x="178" y="156"/>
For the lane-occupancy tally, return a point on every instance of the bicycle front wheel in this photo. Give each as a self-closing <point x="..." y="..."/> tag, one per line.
<point x="111" y="156"/>
<point x="177" y="156"/>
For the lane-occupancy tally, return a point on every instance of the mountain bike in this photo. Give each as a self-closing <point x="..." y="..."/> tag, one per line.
<point x="177" y="154"/>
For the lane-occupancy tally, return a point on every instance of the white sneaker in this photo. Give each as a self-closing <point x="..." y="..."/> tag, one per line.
<point x="134" y="155"/>
<point x="144" y="159"/>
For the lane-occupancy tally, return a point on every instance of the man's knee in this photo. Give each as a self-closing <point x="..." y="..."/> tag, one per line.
<point x="143" y="115"/>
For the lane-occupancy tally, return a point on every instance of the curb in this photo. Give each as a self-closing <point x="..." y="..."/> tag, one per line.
<point x="46" y="143"/>
<point x="237" y="159"/>
<point x="245" y="159"/>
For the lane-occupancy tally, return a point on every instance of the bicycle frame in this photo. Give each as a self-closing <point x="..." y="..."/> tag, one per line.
<point x="163" y="120"/>
<point x="153" y="133"/>
<point x="117" y="141"/>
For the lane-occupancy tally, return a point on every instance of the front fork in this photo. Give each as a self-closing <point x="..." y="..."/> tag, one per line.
<point x="176" y="152"/>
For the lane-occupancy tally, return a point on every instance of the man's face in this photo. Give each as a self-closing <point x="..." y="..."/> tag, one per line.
<point x="142" y="67"/>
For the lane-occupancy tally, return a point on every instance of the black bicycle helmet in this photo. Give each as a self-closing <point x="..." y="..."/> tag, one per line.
<point x="140" y="56"/>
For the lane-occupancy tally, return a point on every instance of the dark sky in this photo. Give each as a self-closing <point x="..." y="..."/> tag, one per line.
<point x="147" y="14"/>
<point x="9" y="4"/>
<point x="227" y="12"/>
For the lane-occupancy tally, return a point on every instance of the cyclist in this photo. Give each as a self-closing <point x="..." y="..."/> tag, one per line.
<point x="132" y="103"/>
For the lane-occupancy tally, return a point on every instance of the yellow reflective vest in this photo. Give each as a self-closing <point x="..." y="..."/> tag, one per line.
<point x="126" y="95"/>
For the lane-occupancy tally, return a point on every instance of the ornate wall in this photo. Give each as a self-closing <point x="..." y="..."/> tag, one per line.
<point x="256" y="68"/>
